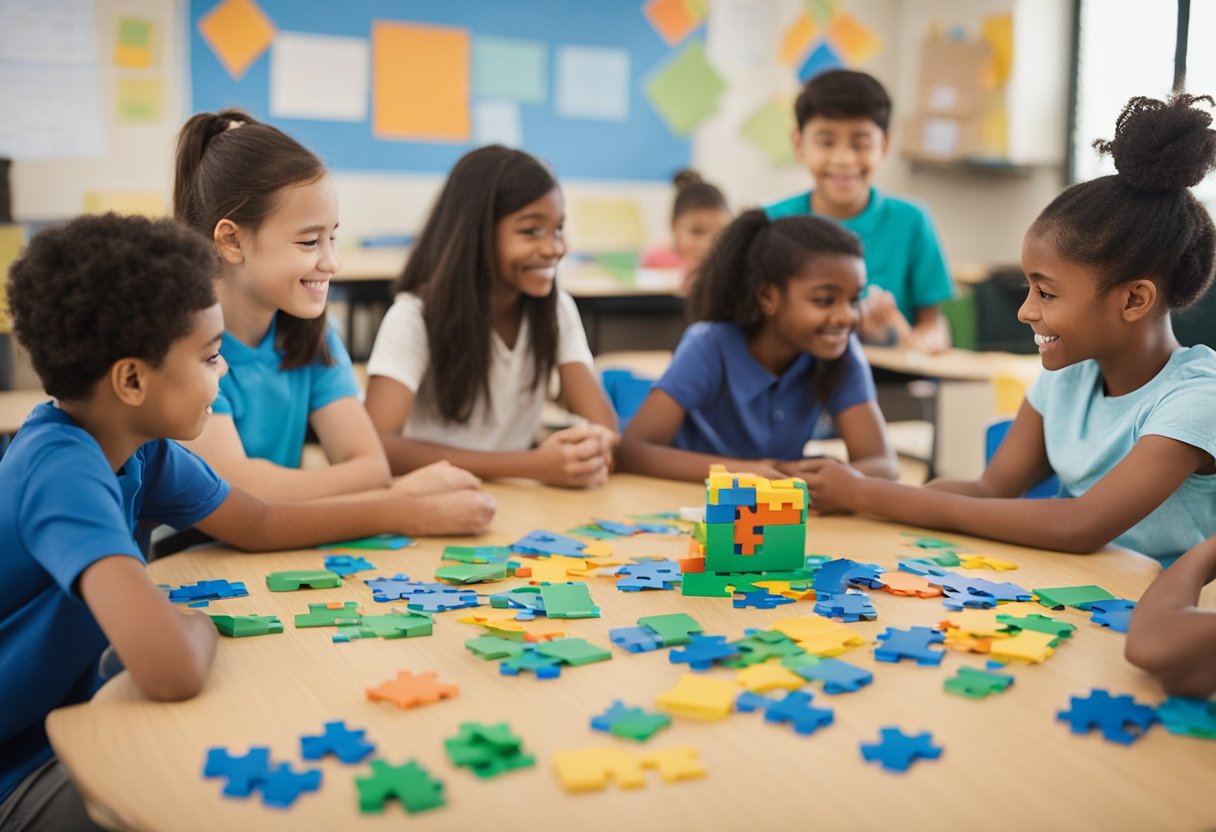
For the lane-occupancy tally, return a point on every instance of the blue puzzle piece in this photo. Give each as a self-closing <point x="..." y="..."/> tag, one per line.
<point x="391" y="589"/>
<point x="968" y="591"/>
<point x="654" y="574"/>
<point x="1189" y="717"/>
<point x="1115" y="615"/>
<point x="544" y="544"/>
<point x="702" y="651"/>
<point x="283" y="786"/>
<point x="545" y="667"/>
<point x="896" y="751"/>
<point x="347" y="744"/>
<point x="622" y="529"/>
<point x="244" y="773"/>
<point x="347" y="564"/>
<point x="737" y="496"/>
<point x="721" y="514"/>
<point x="635" y="639"/>
<point x="924" y="568"/>
<point x="204" y="592"/>
<point x="913" y="643"/>
<point x="1109" y="714"/>
<point x="760" y="599"/>
<point x="442" y="601"/>
<point x="624" y="721"/>
<point x="795" y="708"/>
<point x="837" y="676"/>
<point x="658" y="528"/>
<point x="836" y="575"/>
<point x="848" y="606"/>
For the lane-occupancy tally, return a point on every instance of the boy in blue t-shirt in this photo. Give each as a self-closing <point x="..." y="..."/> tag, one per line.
<point x="120" y="318"/>
<point x="842" y="138"/>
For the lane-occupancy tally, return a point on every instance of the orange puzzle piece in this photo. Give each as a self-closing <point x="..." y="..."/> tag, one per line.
<point x="409" y="690"/>
<point x="747" y="538"/>
<point x="905" y="583"/>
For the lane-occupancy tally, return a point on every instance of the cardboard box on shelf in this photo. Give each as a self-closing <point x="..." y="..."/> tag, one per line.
<point x="944" y="138"/>
<point x="956" y="77"/>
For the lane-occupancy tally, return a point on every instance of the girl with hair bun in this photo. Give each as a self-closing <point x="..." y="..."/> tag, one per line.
<point x="698" y="215"/>
<point x="1122" y="413"/>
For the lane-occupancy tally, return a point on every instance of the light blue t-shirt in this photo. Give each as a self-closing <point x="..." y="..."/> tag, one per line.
<point x="735" y="407"/>
<point x="62" y="508"/>
<point x="1088" y="433"/>
<point x="271" y="406"/>
<point x="899" y="246"/>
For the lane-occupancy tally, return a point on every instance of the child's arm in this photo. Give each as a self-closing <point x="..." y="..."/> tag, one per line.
<point x="167" y="651"/>
<point x="585" y="397"/>
<point x="1169" y="636"/>
<point x="1150" y="473"/>
<point x="573" y="461"/>
<point x="646" y="446"/>
<point x="931" y="332"/>
<point x="865" y="438"/>
<point x="246" y="522"/>
<point x="1019" y="464"/>
<point x="346" y="435"/>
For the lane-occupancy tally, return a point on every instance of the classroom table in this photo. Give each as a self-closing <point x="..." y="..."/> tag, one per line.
<point x="1008" y="763"/>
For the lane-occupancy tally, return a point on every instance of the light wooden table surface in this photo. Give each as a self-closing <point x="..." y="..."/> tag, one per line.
<point x="15" y="405"/>
<point x="956" y="364"/>
<point x="1008" y="763"/>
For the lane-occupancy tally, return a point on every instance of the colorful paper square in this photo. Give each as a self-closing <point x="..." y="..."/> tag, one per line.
<point x="769" y="129"/>
<point x="139" y="100"/>
<point x="674" y="20"/>
<point x="686" y="90"/>
<point x="133" y="45"/>
<point x="856" y="41"/>
<point x="823" y="58"/>
<point x="797" y="40"/>
<point x="420" y="82"/>
<point x="238" y="32"/>
<point x="593" y="83"/>
<point x="511" y="69"/>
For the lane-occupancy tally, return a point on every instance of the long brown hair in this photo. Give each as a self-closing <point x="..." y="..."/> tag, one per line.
<point x="230" y="166"/>
<point x="454" y="268"/>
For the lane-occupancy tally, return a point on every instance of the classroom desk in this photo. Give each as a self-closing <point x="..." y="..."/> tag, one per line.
<point x="15" y="405"/>
<point x="1008" y="763"/>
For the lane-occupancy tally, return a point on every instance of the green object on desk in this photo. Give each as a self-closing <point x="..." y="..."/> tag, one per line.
<point x="376" y="542"/>
<point x="471" y="573"/>
<point x="572" y="600"/>
<point x="573" y="651"/>
<point x="477" y="554"/>
<point x="242" y="626"/>
<point x="960" y="314"/>
<point x="294" y="579"/>
<point x="327" y="615"/>
<point x="1078" y="597"/>
<point x="622" y="266"/>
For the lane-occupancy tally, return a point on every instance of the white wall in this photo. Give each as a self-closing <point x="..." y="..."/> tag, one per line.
<point x="979" y="219"/>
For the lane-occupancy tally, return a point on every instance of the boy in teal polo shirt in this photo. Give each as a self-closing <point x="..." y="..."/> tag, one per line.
<point x="841" y="138"/>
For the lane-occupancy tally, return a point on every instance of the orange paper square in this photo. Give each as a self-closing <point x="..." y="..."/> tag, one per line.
<point x="420" y="82"/>
<point x="672" y="19"/>
<point x="797" y="40"/>
<point x="856" y="40"/>
<point x="238" y="32"/>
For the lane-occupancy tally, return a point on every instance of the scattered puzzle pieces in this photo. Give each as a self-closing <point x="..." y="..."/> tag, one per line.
<point x="591" y="769"/>
<point x="849" y="606"/>
<point x="409" y="783"/>
<point x="544" y="543"/>
<point x="977" y="684"/>
<point x="700" y="697"/>
<point x="896" y="751"/>
<point x="204" y="592"/>
<point x="913" y="643"/>
<point x="703" y="651"/>
<point x="633" y="723"/>
<point x="905" y="583"/>
<point x="760" y="599"/>
<point x="242" y="626"/>
<point x="657" y="574"/>
<point x="569" y="600"/>
<point x="280" y="786"/>
<point x="332" y="614"/>
<point x="795" y="708"/>
<point x="487" y="750"/>
<point x="347" y="564"/>
<point x="1114" y="615"/>
<point x="408" y="690"/>
<point x="837" y="676"/>
<point x="1078" y="597"/>
<point x="819" y="636"/>
<point x="296" y="579"/>
<point x="1024" y="646"/>
<point x="347" y="744"/>
<point x="1120" y="718"/>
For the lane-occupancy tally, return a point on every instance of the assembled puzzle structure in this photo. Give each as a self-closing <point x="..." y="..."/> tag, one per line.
<point x="752" y="525"/>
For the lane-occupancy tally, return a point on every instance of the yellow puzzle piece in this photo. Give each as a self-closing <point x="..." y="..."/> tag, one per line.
<point x="677" y="763"/>
<point x="590" y="769"/>
<point x="700" y="697"/>
<point x="1026" y="646"/>
<point x="761" y="678"/>
<point x="819" y="636"/>
<point x="985" y="562"/>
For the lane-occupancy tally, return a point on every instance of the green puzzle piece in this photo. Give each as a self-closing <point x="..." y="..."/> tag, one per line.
<point x="1038" y="623"/>
<point x="977" y="684"/>
<point x="761" y="646"/>
<point x="571" y="600"/>
<point x="477" y="554"/>
<point x="493" y="647"/>
<point x="472" y="573"/>
<point x="573" y="651"/>
<point x="242" y="626"/>
<point x="390" y="626"/>
<point x="1079" y="597"/>
<point x="674" y="629"/>
<point x="409" y="783"/>
<point x="323" y="615"/>
<point x="292" y="580"/>
<point x="489" y="750"/>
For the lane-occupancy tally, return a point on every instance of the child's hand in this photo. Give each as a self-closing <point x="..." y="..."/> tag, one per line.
<point x="574" y="458"/>
<point x="468" y="511"/>
<point x="881" y="321"/>
<point x="436" y="478"/>
<point x="832" y="485"/>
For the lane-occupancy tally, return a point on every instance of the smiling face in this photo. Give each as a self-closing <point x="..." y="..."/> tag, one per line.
<point x="694" y="232"/>
<point x="817" y="309"/>
<point x="1070" y="317"/>
<point x="180" y="391"/>
<point x="530" y="244"/>
<point x="288" y="262"/>
<point x="842" y="154"/>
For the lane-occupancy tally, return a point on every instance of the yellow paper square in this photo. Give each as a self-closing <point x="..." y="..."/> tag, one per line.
<point x="420" y="82"/>
<point x="12" y="237"/>
<point x="855" y="40"/>
<point x="139" y="100"/>
<point x="238" y="32"/>
<point x="133" y="43"/>
<point x="796" y="42"/>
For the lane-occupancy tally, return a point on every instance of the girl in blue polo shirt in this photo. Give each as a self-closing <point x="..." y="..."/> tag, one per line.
<point x="774" y="351"/>
<point x="1122" y="412"/>
<point x="271" y="208"/>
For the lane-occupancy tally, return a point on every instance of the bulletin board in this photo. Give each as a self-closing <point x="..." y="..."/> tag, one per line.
<point x="563" y="79"/>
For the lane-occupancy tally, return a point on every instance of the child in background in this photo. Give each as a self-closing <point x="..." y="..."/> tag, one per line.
<point x="775" y="350"/>
<point x="842" y="138"/>
<point x="271" y="208"/>
<point x="1122" y="413"/>
<point x="120" y="318"/>
<point x="461" y="364"/>
<point x="698" y="215"/>
<point x="1170" y="636"/>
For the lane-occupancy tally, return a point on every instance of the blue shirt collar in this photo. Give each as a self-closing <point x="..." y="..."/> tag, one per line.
<point x="747" y="377"/>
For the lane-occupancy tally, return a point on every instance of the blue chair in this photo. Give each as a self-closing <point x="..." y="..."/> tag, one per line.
<point x="993" y="437"/>
<point x="626" y="392"/>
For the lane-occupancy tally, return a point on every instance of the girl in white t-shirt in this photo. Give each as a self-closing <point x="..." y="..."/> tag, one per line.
<point x="461" y="364"/>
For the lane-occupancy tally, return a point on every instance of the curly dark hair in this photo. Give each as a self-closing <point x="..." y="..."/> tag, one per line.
<point x="1142" y="221"/>
<point x="101" y="288"/>
<point x="844" y="93"/>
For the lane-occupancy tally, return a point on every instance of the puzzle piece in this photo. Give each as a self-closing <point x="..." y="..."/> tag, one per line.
<point x="410" y="783"/>
<point x="477" y="554"/>
<point x="795" y="708"/>
<point x="296" y="579"/>
<point x="762" y="678"/>
<point x="332" y="614"/>
<point x="985" y="562"/>
<point x="494" y="647"/>
<point x="590" y="769"/>
<point x="924" y="567"/>
<point x="760" y="599"/>
<point x="819" y="636"/>
<point x="1038" y="623"/>
<point x="1120" y="718"/>
<point x="487" y="750"/>
<point x="555" y="569"/>
<point x="532" y="661"/>
<point x="347" y="744"/>
<point x="973" y="621"/>
<point x="573" y="651"/>
<point x="243" y="773"/>
<point x="659" y="574"/>
<point x="204" y="592"/>
<point x="282" y="785"/>
<point x="242" y="626"/>
<point x="913" y="643"/>
<point x="1024" y="645"/>
<point x="473" y="573"/>
<point x="633" y="723"/>
<point x="1114" y="615"/>
<point x="702" y="652"/>
<point x="921" y="541"/>
<point x="700" y="697"/>
<point x="1189" y="717"/>
<point x="1078" y="597"/>
<point x="380" y="542"/>
<point x="569" y="600"/>
<point x="441" y="601"/>
<point x="977" y="684"/>
<point x="896" y="751"/>
<point x="905" y="583"/>
<point x="758" y="646"/>
<point x="675" y="764"/>
<point x="408" y="690"/>
<point x="347" y="564"/>
<point x="544" y="544"/>
<point x="849" y="606"/>
<point x="635" y="639"/>
<point x="673" y="629"/>
<point x="787" y="589"/>
<point x="394" y="625"/>
<point x="837" y="676"/>
<point x="836" y="575"/>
